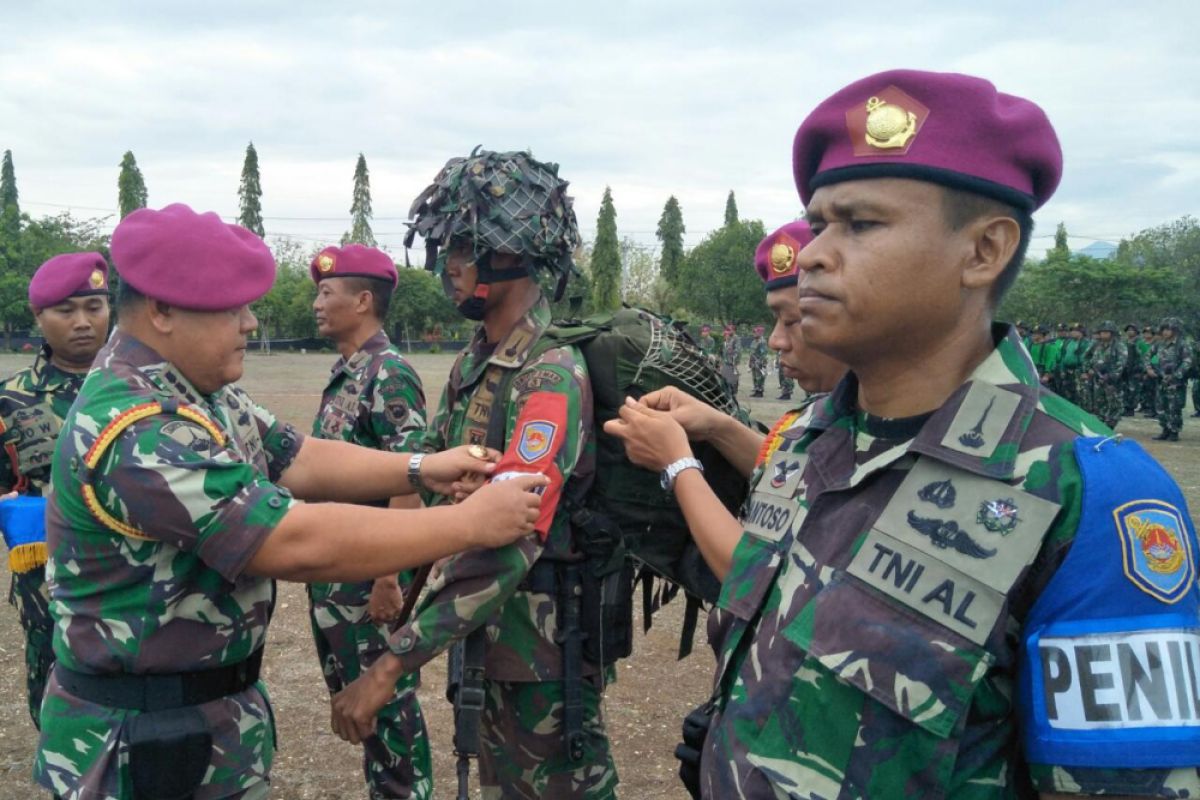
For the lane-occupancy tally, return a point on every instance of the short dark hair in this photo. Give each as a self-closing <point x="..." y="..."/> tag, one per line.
<point x="127" y="296"/>
<point x="962" y="208"/>
<point x="380" y="289"/>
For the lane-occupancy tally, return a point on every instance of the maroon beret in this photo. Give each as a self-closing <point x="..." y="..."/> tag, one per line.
<point x="68" y="275"/>
<point x="776" y="255"/>
<point x="191" y="260"/>
<point x="353" y="261"/>
<point x="950" y="129"/>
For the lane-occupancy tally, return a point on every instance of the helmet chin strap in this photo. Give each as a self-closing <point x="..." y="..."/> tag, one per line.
<point x="474" y="306"/>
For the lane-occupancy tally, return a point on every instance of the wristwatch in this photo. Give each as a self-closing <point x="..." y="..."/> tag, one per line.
<point x="414" y="470"/>
<point x="673" y="469"/>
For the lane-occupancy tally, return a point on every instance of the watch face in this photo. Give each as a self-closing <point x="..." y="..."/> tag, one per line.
<point x="664" y="480"/>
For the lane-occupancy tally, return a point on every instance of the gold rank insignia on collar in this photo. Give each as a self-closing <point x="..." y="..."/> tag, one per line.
<point x="886" y="124"/>
<point x="325" y="262"/>
<point x="96" y="279"/>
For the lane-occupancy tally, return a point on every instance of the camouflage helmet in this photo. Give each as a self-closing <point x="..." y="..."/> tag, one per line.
<point x="500" y="202"/>
<point x="1107" y="325"/>
<point x="1174" y="323"/>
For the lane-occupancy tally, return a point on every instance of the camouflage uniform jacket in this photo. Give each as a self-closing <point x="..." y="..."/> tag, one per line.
<point x="708" y="345"/>
<point x="731" y="352"/>
<point x="1106" y="360"/>
<point x="33" y="404"/>
<point x="1173" y="360"/>
<point x="877" y="617"/>
<point x="481" y="586"/>
<point x="373" y="399"/>
<point x="758" y="353"/>
<point x="175" y="597"/>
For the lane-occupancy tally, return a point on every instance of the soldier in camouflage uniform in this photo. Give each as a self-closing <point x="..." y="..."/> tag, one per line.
<point x="1196" y="376"/>
<point x="489" y="272"/>
<point x="1104" y="368"/>
<point x="1171" y="364"/>
<point x="373" y="399"/>
<point x="173" y="507"/>
<point x="731" y="356"/>
<point x="708" y="345"/>
<point x="69" y="298"/>
<point x="1149" y="383"/>
<point x="786" y="384"/>
<point x="910" y="588"/>
<point x="1131" y="383"/>
<point x="1070" y="364"/>
<point x="758" y="361"/>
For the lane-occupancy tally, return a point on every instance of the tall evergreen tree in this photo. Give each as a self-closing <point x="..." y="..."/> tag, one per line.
<point x="250" y="194"/>
<point x="8" y="183"/>
<point x="360" y="208"/>
<point x="131" y="187"/>
<point x="731" y="212"/>
<point x="670" y="234"/>
<point x="606" y="258"/>
<point x="10" y="211"/>
<point x="1061" y="249"/>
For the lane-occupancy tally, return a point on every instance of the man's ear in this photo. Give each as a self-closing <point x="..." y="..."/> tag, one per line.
<point x="161" y="315"/>
<point x="995" y="242"/>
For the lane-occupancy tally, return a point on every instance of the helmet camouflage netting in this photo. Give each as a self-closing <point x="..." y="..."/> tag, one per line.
<point x="501" y="202"/>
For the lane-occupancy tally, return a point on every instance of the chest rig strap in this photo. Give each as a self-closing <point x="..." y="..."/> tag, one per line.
<point x="109" y="435"/>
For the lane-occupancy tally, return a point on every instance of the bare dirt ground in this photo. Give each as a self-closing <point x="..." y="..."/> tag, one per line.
<point x="644" y="708"/>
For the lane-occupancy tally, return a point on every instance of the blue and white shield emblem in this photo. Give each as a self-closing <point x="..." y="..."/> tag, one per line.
<point x="535" y="440"/>
<point x="1156" y="551"/>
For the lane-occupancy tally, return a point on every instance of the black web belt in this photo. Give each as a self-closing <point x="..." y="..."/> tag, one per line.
<point x="153" y="692"/>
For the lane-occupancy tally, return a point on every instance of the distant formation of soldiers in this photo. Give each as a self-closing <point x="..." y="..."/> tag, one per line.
<point x="728" y="354"/>
<point x="1119" y="373"/>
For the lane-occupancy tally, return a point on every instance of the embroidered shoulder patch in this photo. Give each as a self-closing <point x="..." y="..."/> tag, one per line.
<point x="535" y="439"/>
<point x="1155" y="551"/>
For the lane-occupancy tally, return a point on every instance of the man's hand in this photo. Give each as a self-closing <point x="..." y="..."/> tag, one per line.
<point x="653" y="439"/>
<point x="10" y="496"/>
<point x="500" y="513"/>
<point x="386" y="600"/>
<point x="698" y="419"/>
<point x="467" y="486"/>
<point x="353" y="710"/>
<point x="440" y="471"/>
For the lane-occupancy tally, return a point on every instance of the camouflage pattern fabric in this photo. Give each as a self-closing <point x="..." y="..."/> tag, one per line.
<point x="1105" y="363"/>
<point x="1135" y="369"/>
<point x="1069" y="367"/>
<point x="373" y="399"/>
<point x="758" y="363"/>
<point x="176" y="600"/>
<point x="786" y="384"/>
<point x="483" y="587"/>
<point x="531" y="714"/>
<point x="836" y="682"/>
<point x="33" y="404"/>
<point x="708" y="345"/>
<point x="1174" y="364"/>
<point x="731" y="357"/>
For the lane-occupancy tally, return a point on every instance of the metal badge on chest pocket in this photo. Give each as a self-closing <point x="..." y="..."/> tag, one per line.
<point x="36" y="429"/>
<point x="773" y="506"/>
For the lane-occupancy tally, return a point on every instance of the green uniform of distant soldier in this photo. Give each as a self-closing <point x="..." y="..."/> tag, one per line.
<point x="731" y="357"/>
<point x="510" y="597"/>
<point x="1104" y="368"/>
<point x="758" y="361"/>
<point x="1174" y="364"/>
<point x="1070" y="364"/>
<point x="708" y="345"/>
<point x="1148" y="385"/>
<point x="373" y="399"/>
<point x="1131" y="383"/>
<point x="786" y="384"/>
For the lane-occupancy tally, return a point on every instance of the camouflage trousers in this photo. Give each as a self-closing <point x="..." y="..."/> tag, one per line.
<point x="29" y="594"/>
<point x="759" y="375"/>
<point x="1130" y="393"/>
<point x="396" y="761"/>
<point x="522" y="753"/>
<point x="786" y="385"/>
<point x="1068" y="385"/>
<point x="1172" y="394"/>
<point x="730" y="373"/>
<point x="1108" y="402"/>
<point x="1150" y="395"/>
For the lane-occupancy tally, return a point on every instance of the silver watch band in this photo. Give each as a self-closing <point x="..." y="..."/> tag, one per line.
<point x="414" y="470"/>
<point x="671" y="473"/>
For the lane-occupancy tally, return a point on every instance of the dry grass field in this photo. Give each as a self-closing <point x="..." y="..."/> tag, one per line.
<point x="644" y="708"/>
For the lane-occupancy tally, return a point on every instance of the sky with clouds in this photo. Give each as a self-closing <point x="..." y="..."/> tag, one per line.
<point x="651" y="98"/>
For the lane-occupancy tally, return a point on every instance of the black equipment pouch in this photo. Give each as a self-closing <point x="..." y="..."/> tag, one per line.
<point x="570" y="637"/>
<point x="695" y="731"/>
<point x="169" y="751"/>
<point x="606" y="580"/>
